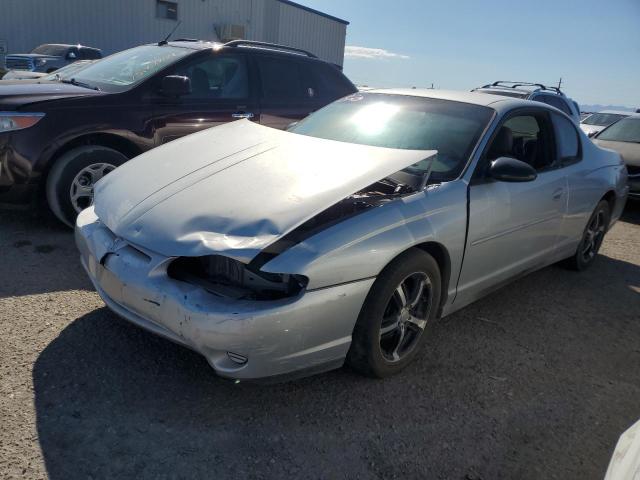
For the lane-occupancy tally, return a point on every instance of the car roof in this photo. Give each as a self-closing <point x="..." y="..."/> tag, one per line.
<point x="476" y="98"/>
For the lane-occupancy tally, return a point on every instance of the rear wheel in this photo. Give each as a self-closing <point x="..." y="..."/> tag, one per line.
<point x="592" y="238"/>
<point x="391" y="325"/>
<point x="71" y="180"/>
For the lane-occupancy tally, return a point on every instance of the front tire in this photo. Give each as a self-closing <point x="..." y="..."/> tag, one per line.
<point x="390" y="329"/>
<point x="71" y="180"/>
<point x="592" y="238"/>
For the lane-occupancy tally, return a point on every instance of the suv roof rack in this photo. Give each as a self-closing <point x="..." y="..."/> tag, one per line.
<point x="510" y="84"/>
<point x="187" y="40"/>
<point x="267" y="45"/>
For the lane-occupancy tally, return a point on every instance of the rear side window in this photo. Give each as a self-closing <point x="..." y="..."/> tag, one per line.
<point x="88" y="54"/>
<point x="554" y="101"/>
<point x="282" y="80"/>
<point x="327" y="82"/>
<point x="567" y="139"/>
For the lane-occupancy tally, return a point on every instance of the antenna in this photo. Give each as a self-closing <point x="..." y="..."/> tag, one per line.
<point x="559" y="83"/>
<point x="166" y="39"/>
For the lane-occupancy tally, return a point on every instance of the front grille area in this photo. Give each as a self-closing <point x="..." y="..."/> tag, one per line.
<point x="19" y="63"/>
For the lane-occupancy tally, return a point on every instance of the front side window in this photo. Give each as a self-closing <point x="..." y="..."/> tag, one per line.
<point x="603" y="119"/>
<point x="626" y="130"/>
<point x="218" y="77"/>
<point x="403" y="122"/>
<point x="525" y="138"/>
<point x="567" y="139"/>
<point x="121" y="70"/>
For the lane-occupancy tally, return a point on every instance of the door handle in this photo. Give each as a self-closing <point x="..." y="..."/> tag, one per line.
<point x="242" y="115"/>
<point x="558" y="193"/>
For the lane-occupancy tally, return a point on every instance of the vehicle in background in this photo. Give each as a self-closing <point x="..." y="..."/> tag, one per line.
<point x="624" y="137"/>
<point x="596" y="122"/>
<point x="58" y="138"/>
<point x="63" y="72"/>
<point x="534" y="91"/>
<point x="50" y="57"/>
<point x="277" y="253"/>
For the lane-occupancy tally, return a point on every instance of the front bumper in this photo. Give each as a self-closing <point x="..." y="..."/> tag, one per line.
<point x="290" y="337"/>
<point x="634" y="185"/>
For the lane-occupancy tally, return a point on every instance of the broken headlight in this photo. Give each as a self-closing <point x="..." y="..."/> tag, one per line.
<point x="230" y="278"/>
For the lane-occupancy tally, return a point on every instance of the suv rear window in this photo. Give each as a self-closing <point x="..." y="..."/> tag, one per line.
<point x="554" y="101"/>
<point x="327" y="82"/>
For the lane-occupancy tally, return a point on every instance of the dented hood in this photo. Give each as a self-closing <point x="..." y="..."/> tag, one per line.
<point x="236" y="188"/>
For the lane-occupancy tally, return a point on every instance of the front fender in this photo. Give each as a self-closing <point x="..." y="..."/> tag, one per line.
<point x="361" y="246"/>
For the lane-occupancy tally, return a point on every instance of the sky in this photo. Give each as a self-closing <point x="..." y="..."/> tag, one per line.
<point x="594" y="45"/>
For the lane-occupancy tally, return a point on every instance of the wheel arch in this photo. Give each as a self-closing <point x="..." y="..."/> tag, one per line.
<point x="109" y="140"/>
<point x="441" y="255"/>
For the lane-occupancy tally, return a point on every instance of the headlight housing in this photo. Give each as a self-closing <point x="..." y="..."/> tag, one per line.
<point x="10" y="121"/>
<point x="40" y="61"/>
<point x="226" y="277"/>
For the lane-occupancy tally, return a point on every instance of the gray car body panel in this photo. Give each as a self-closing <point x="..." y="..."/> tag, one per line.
<point x="513" y="228"/>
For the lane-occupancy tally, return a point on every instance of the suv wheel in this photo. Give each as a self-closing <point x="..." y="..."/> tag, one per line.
<point x="71" y="180"/>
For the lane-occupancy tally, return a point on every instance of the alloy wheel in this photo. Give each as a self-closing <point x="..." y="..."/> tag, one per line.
<point x="81" y="192"/>
<point x="405" y="316"/>
<point x="593" y="236"/>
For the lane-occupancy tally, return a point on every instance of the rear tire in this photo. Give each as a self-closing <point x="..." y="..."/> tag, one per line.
<point x="592" y="238"/>
<point x="70" y="182"/>
<point x="390" y="331"/>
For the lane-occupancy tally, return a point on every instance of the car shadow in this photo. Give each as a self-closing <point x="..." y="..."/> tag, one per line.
<point x="514" y="386"/>
<point x="41" y="253"/>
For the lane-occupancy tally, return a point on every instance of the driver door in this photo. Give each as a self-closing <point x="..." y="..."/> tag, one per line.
<point x="513" y="226"/>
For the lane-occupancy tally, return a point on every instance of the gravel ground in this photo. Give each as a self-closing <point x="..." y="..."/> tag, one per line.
<point x="536" y="381"/>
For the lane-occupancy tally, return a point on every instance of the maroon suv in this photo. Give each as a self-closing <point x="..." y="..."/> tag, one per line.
<point x="58" y="137"/>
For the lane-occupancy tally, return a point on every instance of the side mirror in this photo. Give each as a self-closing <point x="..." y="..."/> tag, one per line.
<point x="507" y="169"/>
<point x="176" y="86"/>
<point x="71" y="56"/>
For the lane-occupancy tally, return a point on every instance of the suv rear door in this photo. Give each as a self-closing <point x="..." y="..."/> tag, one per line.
<point x="221" y="91"/>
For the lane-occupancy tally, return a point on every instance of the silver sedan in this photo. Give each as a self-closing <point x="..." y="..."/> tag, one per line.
<point x="277" y="254"/>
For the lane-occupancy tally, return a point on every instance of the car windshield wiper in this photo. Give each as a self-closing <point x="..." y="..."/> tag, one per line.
<point x="75" y="82"/>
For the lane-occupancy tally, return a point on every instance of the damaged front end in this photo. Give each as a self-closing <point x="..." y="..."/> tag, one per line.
<point x="230" y="278"/>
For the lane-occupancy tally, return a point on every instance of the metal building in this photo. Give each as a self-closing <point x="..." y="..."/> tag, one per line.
<point x="115" y="25"/>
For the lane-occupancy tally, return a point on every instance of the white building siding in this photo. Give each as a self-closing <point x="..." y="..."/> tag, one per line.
<point x="114" y="25"/>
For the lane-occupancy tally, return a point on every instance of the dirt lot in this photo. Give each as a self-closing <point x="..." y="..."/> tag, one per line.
<point x="536" y="381"/>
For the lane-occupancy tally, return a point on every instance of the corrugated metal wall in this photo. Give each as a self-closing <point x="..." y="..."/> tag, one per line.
<point x="114" y="25"/>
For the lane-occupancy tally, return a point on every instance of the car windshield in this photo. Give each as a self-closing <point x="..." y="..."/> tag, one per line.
<point x="626" y="130"/>
<point x="121" y="70"/>
<point x="403" y="122"/>
<point x="68" y="70"/>
<point x="53" y="50"/>
<point x="603" y="119"/>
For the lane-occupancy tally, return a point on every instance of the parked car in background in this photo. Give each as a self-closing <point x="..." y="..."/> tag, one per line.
<point x="286" y="252"/>
<point x="596" y="122"/>
<point x="624" y="137"/>
<point x="58" y="138"/>
<point x="534" y="91"/>
<point x="62" y="72"/>
<point x="51" y="56"/>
